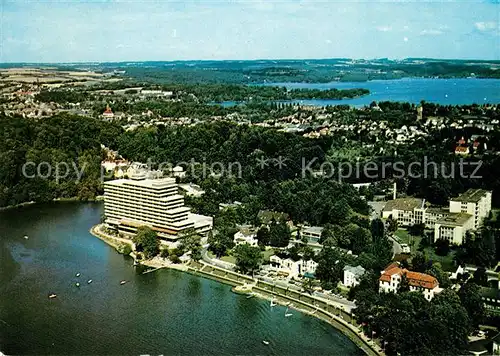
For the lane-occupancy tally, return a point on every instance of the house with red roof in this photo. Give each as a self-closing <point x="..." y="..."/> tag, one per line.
<point x="391" y="276"/>
<point x="108" y="113"/>
<point x="461" y="150"/>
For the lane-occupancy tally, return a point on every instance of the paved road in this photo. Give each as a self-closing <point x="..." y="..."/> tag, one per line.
<point x="396" y="247"/>
<point x="344" y="303"/>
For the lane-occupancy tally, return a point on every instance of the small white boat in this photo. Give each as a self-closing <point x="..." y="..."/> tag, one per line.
<point x="123" y="282"/>
<point x="78" y="274"/>
<point x="272" y="302"/>
<point x="250" y="296"/>
<point x="89" y="281"/>
<point x="52" y="296"/>
<point x="77" y="284"/>
<point x="288" y="314"/>
<point x="265" y="342"/>
<point x="26" y="237"/>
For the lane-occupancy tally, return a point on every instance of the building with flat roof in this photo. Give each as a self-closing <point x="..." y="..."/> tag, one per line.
<point x="131" y="203"/>
<point x="313" y="233"/>
<point x="453" y="227"/>
<point x="407" y="211"/>
<point x="466" y="212"/>
<point x="476" y="202"/>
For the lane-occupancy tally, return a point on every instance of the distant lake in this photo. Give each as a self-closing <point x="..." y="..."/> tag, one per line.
<point x="413" y="90"/>
<point x="165" y="312"/>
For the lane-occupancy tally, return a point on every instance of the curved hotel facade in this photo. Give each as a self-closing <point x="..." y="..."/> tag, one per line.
<point x="130" y="203"/>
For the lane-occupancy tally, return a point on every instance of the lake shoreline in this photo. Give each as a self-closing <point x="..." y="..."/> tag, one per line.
<point x="55" y="200"/>
<point x="200" y="270"/>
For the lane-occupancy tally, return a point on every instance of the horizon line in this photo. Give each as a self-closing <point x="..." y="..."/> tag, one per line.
<point x="259" y="59"/>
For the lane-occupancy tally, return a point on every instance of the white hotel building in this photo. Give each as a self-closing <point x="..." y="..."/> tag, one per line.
<point x="131" y="203"/>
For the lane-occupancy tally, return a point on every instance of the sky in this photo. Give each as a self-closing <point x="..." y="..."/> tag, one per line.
<point x="142" y="30"/>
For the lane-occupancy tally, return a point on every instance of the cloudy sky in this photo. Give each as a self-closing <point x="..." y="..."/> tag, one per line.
<point x="139" y="30"/>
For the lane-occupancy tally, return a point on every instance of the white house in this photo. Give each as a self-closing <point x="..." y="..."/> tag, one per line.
<point x="293" y="268"/>
<point x="352" y="275"/>
<point x="245" y="237"/>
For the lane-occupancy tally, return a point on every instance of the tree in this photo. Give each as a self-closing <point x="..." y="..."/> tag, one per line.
<point x="196" y="252"/>
<point x="377" y="229"/>
<point x="279" y="234"/>
<point x="442" y="277"/>
<point x="330" y="268"/>
<point x="419" y="262"/>
<point x="471" y="300"/>
<point x="248" y="258"/>
<point x="442" y="247"/>
<point x="221" y="242"/>
<point x="480" y="277"/>
<point x="146" y="241"/>
<point x="190" y="240"/>
<point x="417" y="229"/>
<point x="263" y="236"/>
<point x="308" y="285"/>
<point x="326" y="233"/>
<point x="307" y="253"/>
<point x="164" y="253"/>
<point x="403" y="286"/>
<point x="392" y="224"/>
<point x="361" y="240"/>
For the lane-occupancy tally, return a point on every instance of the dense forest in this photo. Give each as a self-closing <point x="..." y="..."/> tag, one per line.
<point x="210" y="93"/>
<point x="69" y="138"/>
<point x="311" y="71"/>
<point x="74" y="140"/>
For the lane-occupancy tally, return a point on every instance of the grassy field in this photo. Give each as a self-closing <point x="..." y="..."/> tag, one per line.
<point x="405" y="238"/>
<point x="402" y="236"/>
<point x="414" y="241"/>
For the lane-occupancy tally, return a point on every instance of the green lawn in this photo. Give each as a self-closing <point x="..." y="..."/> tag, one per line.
<point x="229" y="259"/>
<point x="403" y="236"/>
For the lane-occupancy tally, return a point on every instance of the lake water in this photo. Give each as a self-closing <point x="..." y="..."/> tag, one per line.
<point x="164" y="312"/>
<point x="412" y="90"/>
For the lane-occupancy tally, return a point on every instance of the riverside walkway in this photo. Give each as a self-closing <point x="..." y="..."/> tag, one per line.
<point x="321" y="308"/>
<point x="334" y="312"/>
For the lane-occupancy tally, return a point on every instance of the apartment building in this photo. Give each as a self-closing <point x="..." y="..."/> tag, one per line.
<point x="131" y="203"/>
<point x="453" y="227"/>
<point x="476" y="202"/>
<point x="392" y="275"/>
